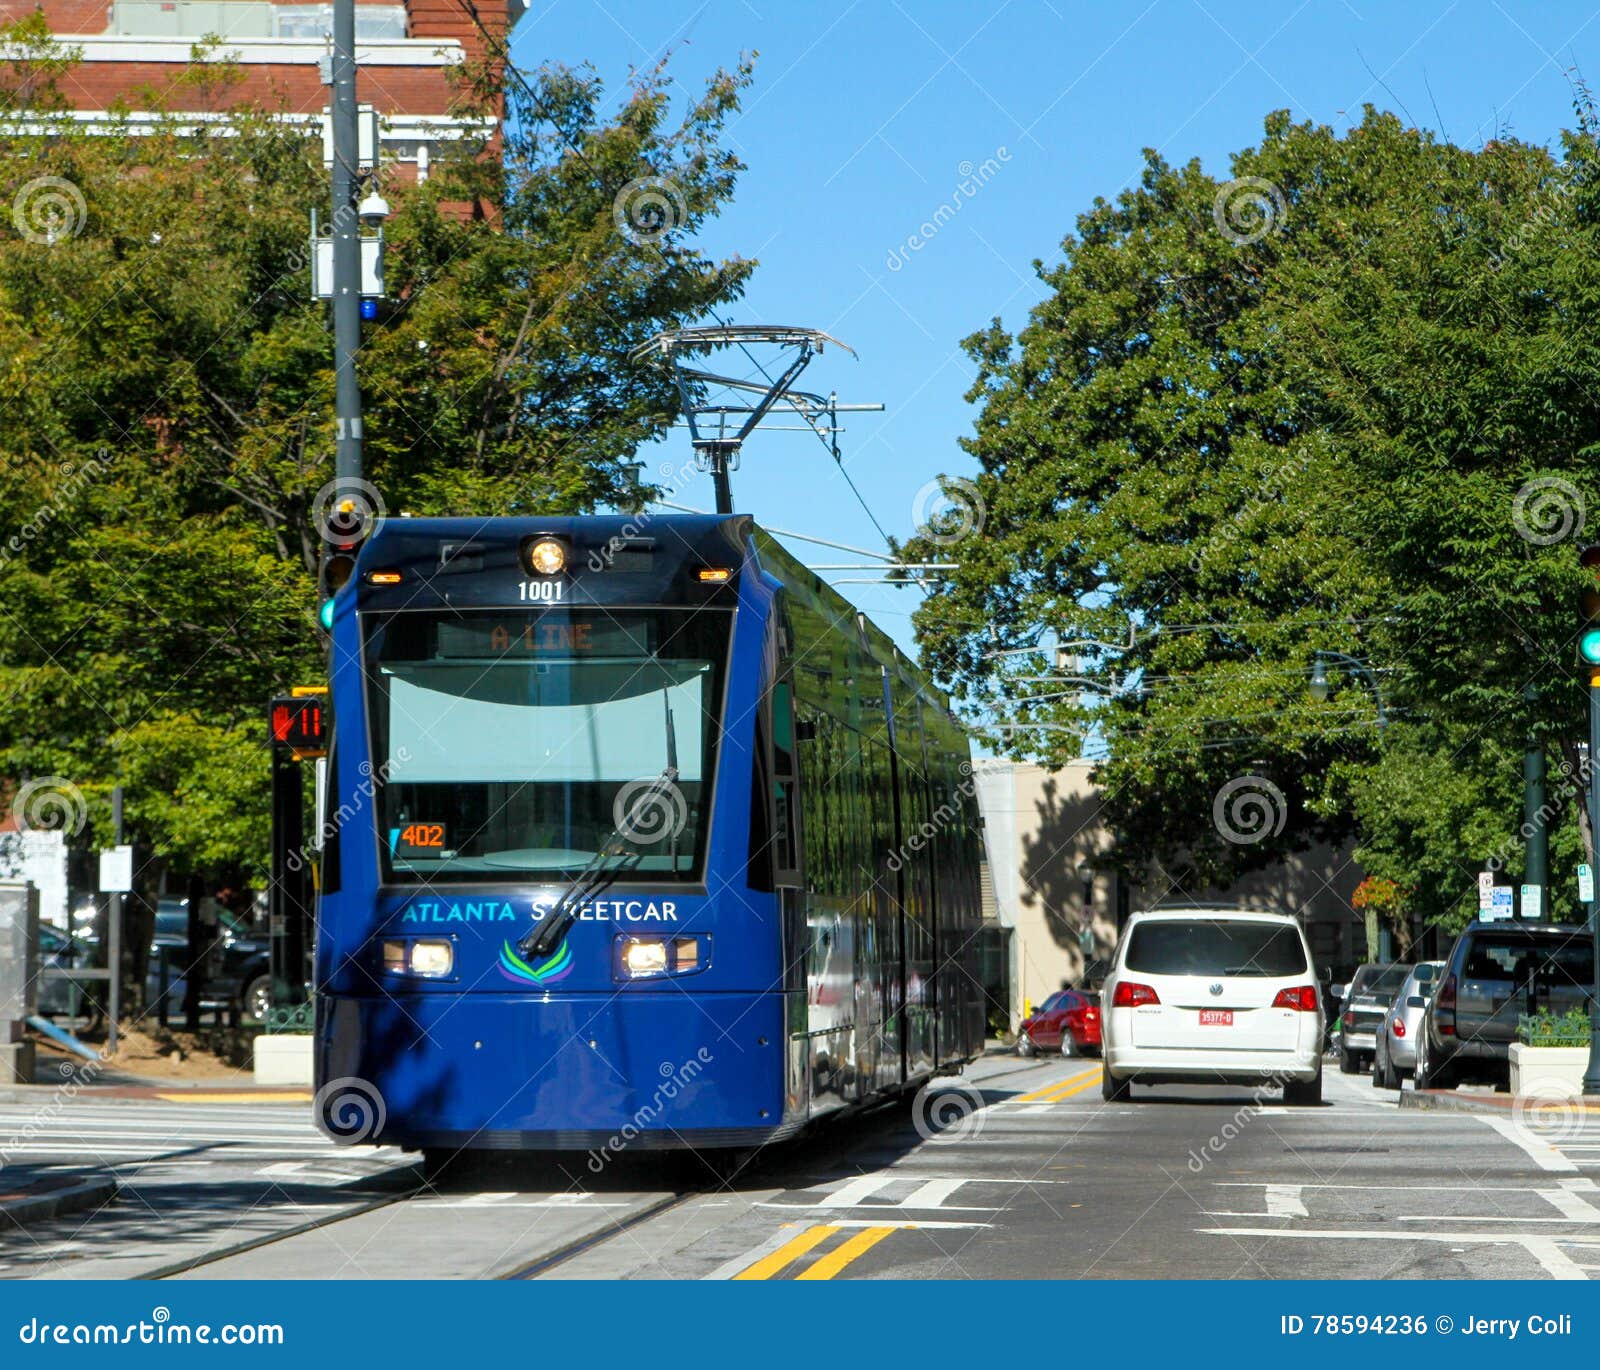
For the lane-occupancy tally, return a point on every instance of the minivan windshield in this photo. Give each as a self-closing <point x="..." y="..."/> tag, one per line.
<point x="1207" y="946"/>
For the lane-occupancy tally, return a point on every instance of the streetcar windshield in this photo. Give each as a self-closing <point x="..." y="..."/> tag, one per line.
<point x="515" y="743"/>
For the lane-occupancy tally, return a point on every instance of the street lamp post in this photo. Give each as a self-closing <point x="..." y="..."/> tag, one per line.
<point x="1322" y="686"/>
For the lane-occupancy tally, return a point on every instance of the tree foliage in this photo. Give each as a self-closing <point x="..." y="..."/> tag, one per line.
<point x="1337" y="402"/>
<point x="166" y="386"/>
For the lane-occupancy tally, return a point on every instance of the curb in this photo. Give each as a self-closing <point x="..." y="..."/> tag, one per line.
<point x="51" y="1203"/>
<point x="1497" y="1105"/>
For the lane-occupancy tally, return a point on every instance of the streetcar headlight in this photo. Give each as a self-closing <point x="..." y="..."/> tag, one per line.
<point x="432" y="958"/>
<point x="644" y="956"/>
<point x="547" y="557"/>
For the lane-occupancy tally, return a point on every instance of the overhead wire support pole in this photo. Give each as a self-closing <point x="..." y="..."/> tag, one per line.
<point x="720" y="453"/>
<point x="343" y="115"/>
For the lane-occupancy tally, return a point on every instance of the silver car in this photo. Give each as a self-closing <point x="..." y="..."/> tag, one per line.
<point x="1395" y="1053"/>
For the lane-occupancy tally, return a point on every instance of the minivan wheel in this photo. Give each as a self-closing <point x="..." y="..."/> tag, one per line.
<point x="1024" y="1045"/>
<point x="1349" y="1064"/>
<point x="1114" y="1091"/>
<point x="1304" y="1093"/>
<point x="1068" y="1046"/>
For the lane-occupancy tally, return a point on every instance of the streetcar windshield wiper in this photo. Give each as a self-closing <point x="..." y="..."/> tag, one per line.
<point x="597" y="876"/>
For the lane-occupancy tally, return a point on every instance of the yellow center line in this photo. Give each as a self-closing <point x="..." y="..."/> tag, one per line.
<point x="826" y="1267"/>
<point x="1058" y="1089"/>
<point x="1090" y="1083"/>
<point x="791" y="1250"/>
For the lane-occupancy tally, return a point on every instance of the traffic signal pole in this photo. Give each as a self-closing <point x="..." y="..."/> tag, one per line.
<point x="347" y="460"/>
<point x="1591" y="1076"/>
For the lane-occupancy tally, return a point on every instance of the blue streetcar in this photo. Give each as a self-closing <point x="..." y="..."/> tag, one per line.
<point x="643" y="836"/>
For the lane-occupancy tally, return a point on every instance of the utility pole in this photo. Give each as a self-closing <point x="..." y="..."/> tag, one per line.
<point x="1589" y="661"/>
<point x="1591" y="1076"/>
<point x="347" y="462"/>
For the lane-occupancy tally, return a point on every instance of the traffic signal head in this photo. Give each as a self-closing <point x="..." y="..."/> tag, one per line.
<point x="1589" y="608"/>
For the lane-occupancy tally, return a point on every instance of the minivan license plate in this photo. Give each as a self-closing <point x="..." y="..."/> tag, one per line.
<point x="1216" y="1017"/>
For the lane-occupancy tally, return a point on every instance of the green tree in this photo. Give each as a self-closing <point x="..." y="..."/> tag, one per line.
<point x="166" y="387"/>
<point x="1292" y="411"/>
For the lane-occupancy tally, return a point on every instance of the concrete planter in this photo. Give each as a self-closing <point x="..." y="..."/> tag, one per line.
<point x="1548" y="1072"/>
<point x="285" y="1059"/>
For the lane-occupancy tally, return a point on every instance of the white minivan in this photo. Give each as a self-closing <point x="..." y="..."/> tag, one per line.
<point x="1212" y="996"/>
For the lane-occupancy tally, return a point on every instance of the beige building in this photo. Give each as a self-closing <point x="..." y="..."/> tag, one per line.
<point x="1059" y="905"/>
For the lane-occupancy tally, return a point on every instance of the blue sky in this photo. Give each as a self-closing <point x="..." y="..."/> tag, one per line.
<point x="865" y="117"/>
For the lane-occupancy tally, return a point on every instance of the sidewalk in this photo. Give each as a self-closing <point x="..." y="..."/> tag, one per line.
<point x="1494" y="1104"/>
<point x="38" y="1200"/>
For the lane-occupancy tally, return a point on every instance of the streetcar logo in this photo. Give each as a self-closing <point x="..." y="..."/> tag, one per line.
<point x="556" y="966"/>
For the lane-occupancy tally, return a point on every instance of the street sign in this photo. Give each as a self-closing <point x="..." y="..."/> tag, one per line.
<point x="1586" y="884"/>
<point x="1485" y="890"/>
<point x="1532" y="902"/>
<point x="1501" y="905"/>
<point x="116" y="870"/>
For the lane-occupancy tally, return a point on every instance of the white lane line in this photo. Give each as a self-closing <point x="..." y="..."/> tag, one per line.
<point x="1283" y="1201"/>
<point x="1571" y="1204"/>
<point x="1542" y="1154"/>
<point x="1557" y="1264"/>
<point x="728" y="1269"/>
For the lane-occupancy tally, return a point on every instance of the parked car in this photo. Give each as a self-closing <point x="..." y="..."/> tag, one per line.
<point x="1068" y="1022"/>
<point x="1212" y="996"/>
<point x="1395" y="1056"/>
<point x="1495" y="973"/>
<point x="235" y="975"/>
<point x="1372" y="990"/>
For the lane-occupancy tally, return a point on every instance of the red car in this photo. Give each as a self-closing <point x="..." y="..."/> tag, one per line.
<point x="1068" y="1022"/>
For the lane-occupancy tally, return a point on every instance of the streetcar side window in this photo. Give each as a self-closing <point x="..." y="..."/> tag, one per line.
<point x="759" y="867"/>
<point x="785" y="819"/>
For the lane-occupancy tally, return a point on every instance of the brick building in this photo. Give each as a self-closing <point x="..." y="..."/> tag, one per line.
<point x="403" y="52"/>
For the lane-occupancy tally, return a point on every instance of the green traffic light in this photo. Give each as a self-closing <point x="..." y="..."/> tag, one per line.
<point x="325" y="615"/>
<point x="1589" y="646"/>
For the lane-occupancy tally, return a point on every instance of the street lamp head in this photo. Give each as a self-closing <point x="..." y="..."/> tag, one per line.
<point x="1321" y="687"/>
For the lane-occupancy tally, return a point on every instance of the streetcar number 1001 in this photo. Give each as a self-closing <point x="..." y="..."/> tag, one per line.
<point x="543" y="591"/>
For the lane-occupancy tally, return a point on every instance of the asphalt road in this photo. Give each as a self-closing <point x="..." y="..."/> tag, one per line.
<point x="1019" y="1170"/>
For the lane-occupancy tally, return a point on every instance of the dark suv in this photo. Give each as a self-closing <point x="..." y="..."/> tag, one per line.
<point x="1497" y="972"/>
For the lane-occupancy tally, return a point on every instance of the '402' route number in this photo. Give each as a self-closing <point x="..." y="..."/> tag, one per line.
<point x="543" y="591"/>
